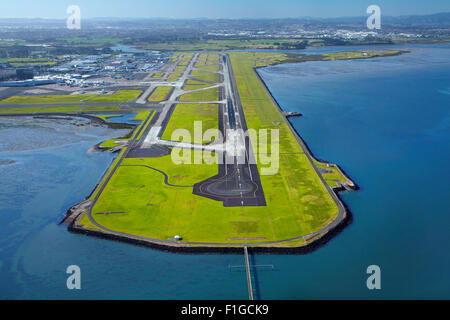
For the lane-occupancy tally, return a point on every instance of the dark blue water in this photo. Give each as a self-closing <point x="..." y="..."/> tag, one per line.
<point x="46" y="168"/>
<point x="385" y="121"/>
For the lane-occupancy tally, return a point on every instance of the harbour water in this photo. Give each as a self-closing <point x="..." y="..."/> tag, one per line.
<point x="385" y="121"/>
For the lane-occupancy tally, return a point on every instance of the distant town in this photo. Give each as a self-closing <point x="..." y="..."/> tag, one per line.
<point x="79" y="71"/>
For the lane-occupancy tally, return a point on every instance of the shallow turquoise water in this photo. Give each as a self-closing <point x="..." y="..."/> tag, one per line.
<point x="385" y="121"/>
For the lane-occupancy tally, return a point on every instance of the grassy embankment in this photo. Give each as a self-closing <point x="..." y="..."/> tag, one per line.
<point x="184" y="116"/>
<point x="118" y="96"/>
<point x="25" y="101"/>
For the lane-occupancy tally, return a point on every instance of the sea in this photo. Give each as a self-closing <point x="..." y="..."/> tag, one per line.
<point x="385" y="121"/>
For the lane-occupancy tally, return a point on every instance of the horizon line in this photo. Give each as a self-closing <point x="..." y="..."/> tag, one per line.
<point x="223" y="18"/>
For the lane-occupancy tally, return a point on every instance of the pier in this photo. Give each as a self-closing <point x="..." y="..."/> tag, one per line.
<point x="247" y="266"/>
<point x="249" y="279"/>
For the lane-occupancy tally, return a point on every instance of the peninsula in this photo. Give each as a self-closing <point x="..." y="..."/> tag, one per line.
<point x="245" y="177"/>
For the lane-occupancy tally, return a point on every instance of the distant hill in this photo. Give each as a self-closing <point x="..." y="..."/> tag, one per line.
<point x="442" y="18"/>
<point x="437" y="18"/>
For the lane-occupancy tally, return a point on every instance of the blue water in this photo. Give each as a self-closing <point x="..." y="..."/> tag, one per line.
<point x="121" y="118"/>
<point x="385" y="121"/>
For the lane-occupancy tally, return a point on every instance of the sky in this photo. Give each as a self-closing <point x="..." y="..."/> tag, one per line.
<point x="216" y="8"/>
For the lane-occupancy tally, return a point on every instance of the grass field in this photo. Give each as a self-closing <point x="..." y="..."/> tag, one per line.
<point x="179" y="69"/>
<point x="202" y="95"/>
<point x="40" y="109"/>
<point x="118" y="96"/>
<point x="213" y="77"/>
<point x="196" y="72"/>
<point x="174" y="75"/>
<point x="212" y="67"/>
<point x="184" y="116"/>
<point x="54" y="99"/>
<point x="195" y="86"/>
<point x="160" y="94"/>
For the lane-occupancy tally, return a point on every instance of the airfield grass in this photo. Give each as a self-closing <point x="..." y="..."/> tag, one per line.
<point x="196" y="72"/>
<point x="118" y="96"/>
<point x="196" y="86"/>
<point x="52" y="99"/>
<point x="31" y="110"/>
<point x="213" y="77"/>
<point x="191" y="84"/>
<point x="212" y="67"/>
<point x="179" y="69"/>
<point x="201" y="95"/>
<point x="213" y="58"/>
<point x="184" y="115"/>
<point x="134" y="135"/>
<point x="95" y="108"/>
<point x="179" y="174"/>
<point x="141" y="115"/>
<point x="174" y="75"/>
<point x="201" y="60"/>
<point x="157" y="75"/>
<point x="160" y="94"/>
